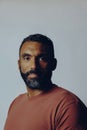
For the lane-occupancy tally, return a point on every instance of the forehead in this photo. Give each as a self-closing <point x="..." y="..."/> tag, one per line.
<point x="33" y="47"/>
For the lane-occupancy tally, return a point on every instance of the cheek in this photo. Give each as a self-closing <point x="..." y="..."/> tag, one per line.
<point x="24" y="67"/>
<point x="44" y="65"/>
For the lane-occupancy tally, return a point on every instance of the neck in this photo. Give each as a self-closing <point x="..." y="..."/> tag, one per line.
<point x="31" y="92"/>
<point x="34" y="92"/>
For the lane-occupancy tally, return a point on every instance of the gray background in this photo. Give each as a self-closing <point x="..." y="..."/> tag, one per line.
<point x="65" y="22"/>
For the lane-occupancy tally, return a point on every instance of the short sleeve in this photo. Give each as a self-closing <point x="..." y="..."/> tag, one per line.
<point x="71" y="114"/>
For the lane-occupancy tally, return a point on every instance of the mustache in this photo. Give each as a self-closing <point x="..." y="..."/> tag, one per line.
<point x="32" y="72"/>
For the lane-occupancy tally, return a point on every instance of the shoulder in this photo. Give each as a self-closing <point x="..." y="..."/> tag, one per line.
<point x="63" y="94"/>
<point x="65" y="99"/>
<point x="70" y="109"/>
<point x="18" y="99"/>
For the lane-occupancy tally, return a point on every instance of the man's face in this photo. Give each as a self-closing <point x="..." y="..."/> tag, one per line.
<point x="34" y="65"/>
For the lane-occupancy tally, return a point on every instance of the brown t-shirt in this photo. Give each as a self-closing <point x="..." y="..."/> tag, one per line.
<point x="57" y="109"/>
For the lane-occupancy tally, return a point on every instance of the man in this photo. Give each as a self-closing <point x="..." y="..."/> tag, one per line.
<point x="45" y="106"/>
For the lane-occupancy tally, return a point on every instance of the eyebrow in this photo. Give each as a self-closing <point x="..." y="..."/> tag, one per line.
<point x="25" y="54"/>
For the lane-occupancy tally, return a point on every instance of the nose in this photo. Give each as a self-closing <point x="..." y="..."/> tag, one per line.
<point x="33" y="64"/>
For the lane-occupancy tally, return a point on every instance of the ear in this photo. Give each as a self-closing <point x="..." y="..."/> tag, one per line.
<point x="53" y="64"/>
<point x="19" y="64"/>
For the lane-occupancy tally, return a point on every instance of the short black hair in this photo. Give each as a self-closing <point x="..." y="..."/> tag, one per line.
<point x="41" y="39"/>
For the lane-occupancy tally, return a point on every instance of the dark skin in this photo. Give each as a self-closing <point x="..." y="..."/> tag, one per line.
<point x="33" y="55"/>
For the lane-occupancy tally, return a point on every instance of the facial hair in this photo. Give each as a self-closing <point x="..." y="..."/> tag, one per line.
<point x="41" y="82"/>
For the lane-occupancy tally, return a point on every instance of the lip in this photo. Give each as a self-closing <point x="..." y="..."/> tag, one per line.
<point x="32" y="75"/>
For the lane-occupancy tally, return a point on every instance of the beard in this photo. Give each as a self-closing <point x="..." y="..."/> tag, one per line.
<point x="41" y="82"/>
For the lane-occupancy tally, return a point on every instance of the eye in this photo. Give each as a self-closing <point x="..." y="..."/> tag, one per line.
<point x="27" y="58"/>
<point x="43" y="58"/>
